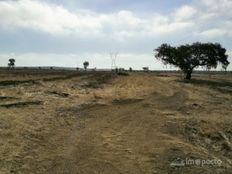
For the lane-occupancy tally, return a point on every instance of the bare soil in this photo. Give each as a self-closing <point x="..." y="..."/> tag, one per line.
<point x="97" y="122"/>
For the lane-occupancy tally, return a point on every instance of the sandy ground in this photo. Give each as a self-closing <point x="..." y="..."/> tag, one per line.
<point x="86" y="123"/>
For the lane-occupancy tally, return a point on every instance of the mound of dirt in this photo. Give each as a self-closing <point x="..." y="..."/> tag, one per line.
<point x="97" y="80"/>
<point x="21" y="104"/>
<point x="173" y="102"/>
<point x="7" y="98"/>
<point x="126" y="101"/>
<point x="59" y="94"/>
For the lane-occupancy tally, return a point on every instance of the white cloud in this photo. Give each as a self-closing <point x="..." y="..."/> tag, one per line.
<point x="212" y="33"/>
<point x="206" y="20"/>
<point x="202" y="18"/>
<point x="184" y="13"/>
<point x="45" y="17"/>
<point x="214" y="20"/>
<point x="57" y="20"/>
<point x="217" y="4"/>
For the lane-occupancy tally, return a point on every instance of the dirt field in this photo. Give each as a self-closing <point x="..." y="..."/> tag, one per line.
<point x="55" y="122"/>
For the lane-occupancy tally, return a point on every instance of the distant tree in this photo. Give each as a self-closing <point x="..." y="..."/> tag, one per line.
<point x="11" y="63"/>
<point x="130" y="69"/>
<point x="146" y="69"/>
<point x="187" y="57"/>
<point x="86" y="64"/>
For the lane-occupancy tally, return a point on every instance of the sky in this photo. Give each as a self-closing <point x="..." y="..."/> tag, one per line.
<point x="69" y="32"/>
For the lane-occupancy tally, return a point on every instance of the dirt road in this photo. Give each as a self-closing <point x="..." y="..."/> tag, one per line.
<point x="141" y="123"/>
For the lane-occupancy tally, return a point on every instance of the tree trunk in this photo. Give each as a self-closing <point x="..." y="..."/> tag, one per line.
<point x="188" y="75"/>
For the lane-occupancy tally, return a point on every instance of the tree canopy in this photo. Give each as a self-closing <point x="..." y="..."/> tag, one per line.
<point x="11" y="63"/>
<point x="86" y="64"/>
<point x="187" y="57"/>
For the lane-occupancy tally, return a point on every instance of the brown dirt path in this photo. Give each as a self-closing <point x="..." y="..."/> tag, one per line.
<point x="132" y="124"/>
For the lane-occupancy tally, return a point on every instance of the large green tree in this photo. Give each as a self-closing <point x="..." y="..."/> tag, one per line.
<point x="187" y="57"/>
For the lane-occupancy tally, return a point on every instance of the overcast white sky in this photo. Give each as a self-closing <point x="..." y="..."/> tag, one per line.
<point x="68" y="32"/>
